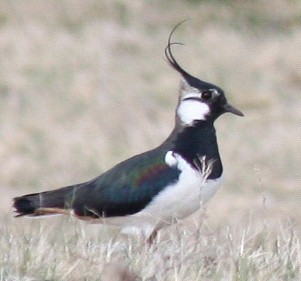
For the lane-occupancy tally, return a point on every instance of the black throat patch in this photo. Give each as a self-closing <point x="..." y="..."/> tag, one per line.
<point x="198" y="146"/>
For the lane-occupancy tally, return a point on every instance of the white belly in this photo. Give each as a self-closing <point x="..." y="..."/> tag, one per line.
<point x="176" y="201"/>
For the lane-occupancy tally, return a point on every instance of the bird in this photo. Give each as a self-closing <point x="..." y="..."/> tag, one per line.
<point x="153" y="189"/>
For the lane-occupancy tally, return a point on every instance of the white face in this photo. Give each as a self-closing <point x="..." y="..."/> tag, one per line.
<point x="194" y="105"/>
<point x="190" y="110"/>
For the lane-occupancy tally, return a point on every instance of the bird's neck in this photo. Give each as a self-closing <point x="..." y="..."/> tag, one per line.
<point x="194" y="143"/>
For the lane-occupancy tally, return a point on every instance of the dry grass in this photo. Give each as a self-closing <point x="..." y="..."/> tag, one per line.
<point x="83" y="85"/>
<point x="74" y="251"/>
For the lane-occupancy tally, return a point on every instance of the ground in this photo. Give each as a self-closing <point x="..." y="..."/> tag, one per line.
<point x="84" y="85"/>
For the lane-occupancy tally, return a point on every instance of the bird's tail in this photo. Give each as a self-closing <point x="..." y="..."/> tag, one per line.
<point x="44" y="203"/>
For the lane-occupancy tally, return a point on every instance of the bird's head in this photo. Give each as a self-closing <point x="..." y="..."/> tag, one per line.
<point x="198" y="100"/>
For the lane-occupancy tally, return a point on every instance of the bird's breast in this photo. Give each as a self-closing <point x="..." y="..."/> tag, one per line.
<point x="183" y="197"/>
<point x="177" y="200"/>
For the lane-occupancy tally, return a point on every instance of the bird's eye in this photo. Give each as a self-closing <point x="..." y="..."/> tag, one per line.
<point x="206" y="95"/>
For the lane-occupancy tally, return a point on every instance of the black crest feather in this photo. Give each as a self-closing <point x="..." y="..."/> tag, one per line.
<point x="191" y="80"/>
<point x="168" y="52"/>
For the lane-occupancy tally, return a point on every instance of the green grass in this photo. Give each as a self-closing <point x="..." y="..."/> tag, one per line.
<point x="83" y="85"/>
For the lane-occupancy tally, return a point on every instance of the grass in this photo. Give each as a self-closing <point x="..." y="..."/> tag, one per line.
<point x="83" y="85"/>
<point x="70" y="250"/>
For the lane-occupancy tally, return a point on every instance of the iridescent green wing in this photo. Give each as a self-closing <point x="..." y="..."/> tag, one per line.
<point x="127" y="188"/>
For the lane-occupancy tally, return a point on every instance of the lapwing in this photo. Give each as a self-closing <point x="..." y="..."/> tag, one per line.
<point x="150" y="190"/>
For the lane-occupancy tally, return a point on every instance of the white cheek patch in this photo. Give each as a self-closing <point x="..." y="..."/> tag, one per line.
<point x="192" y="110"/>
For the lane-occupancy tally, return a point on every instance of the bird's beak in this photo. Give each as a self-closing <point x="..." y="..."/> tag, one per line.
<point x="230" y="108"/>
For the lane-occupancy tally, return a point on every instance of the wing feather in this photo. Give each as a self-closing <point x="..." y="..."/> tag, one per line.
<point x="126" y="188"/>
